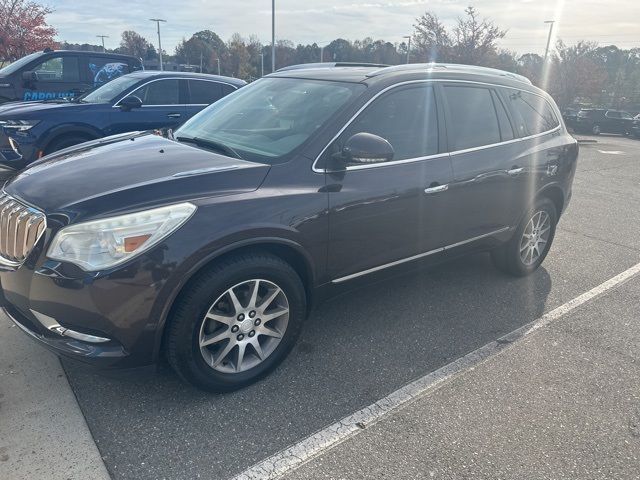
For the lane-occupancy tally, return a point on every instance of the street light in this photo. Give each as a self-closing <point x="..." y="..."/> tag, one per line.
<point x="218" y="60"/>
<point x="408" y="46"/>
<point x="262" y="64"/>
<point x="546" y="51"/>
<point x="322" y="54"/>
<point x="102" y="37"/>
<point x="273" y="35"/>
<point x="158" y="20"/>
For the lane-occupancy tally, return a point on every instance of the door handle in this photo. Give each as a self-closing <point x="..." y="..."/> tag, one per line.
<point x="174" y="115"/>
<point x="514" y="172"/>
<point x="437" y="188"/>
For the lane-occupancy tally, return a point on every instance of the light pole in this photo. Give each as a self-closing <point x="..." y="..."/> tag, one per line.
<point x="546" y="51"/>
<point x="262" y="64"/>
<point x="321" y="54"/>
<point x="218" y="60"/>
<point x="158" y="20"/>
<point x="273" y="35"/>
<point x="102" y="37"/>
<point x="408" y="46"/>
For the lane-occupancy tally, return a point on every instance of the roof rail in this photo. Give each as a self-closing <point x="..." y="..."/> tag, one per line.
<point x="303" y="66"/>
<point x="452" y="67"/>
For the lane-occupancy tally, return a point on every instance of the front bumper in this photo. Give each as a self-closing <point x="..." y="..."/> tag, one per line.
<point x="108" y="321"/>
<point x="102" y="355"/>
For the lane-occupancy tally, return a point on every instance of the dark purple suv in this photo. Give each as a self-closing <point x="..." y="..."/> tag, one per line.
<point x="210" y="246"/>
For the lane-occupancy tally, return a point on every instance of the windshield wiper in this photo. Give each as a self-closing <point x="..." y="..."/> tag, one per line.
<point x="210" y="144"/>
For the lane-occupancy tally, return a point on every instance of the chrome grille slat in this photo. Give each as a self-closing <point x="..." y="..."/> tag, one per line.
<point x="20" y="229"/>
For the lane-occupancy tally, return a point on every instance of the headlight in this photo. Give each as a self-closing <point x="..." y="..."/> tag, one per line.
<point x="19" y="125"/>
<point x="101" y="244"/>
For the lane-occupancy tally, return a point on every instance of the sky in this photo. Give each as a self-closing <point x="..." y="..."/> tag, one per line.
<point x="320" y="21"/>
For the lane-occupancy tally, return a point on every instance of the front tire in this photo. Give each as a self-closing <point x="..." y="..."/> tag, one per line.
<point x="528" y="247"/>
<point x="596" y="130"/>
<point x="236" y="322"/>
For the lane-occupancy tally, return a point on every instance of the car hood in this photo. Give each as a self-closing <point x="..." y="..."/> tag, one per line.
<point x="19" y="110"/>
<point x="129" y="172"/>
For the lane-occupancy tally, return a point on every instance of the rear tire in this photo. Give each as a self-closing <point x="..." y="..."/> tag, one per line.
<point x="530" y="243"/>
<point x="222" y="336"/>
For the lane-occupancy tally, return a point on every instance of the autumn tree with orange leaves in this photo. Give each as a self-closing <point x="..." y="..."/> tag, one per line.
<point x="23" y="29"/>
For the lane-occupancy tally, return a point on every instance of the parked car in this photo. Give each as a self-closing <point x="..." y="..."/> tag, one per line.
<point x="54" y="74"/>
<point x="142" y="100"/>
<point x="209" y="247"/>
<point x="570" y="115"/>
<point x="635" y="128"/>
<point x="599" y="120"/>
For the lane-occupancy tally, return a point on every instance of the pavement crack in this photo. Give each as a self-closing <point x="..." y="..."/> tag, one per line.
<point x="593" y="237"/>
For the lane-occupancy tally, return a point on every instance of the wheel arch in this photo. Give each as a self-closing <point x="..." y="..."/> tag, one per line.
<point x="288" y="250"/>
<point x="62" y="131"/>
<point x="555" y="194"/>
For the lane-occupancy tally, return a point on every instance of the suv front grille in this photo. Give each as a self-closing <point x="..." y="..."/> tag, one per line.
<point x="20" y="229"/>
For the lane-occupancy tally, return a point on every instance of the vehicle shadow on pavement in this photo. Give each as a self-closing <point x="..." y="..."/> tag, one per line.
<point x="355" y="349"/>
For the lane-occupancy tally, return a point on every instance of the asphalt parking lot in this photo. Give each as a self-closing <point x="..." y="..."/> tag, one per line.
<point x="363" y="345"/>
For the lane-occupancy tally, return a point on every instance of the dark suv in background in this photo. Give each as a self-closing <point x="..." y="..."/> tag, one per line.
<point x="209" y="246"/>
<point x="60" y="73"/>
<point x="599" y="120"/>
<point x="137" y="101"/>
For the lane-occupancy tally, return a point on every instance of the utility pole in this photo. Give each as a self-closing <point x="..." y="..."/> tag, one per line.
<point x="158" y="20"/>
<point x="546" y="51"/>
<point x="408" y="46"/>
<point x="102" y="37"/>
<point x="262" y="64"/>
<point x="273" y="35"/>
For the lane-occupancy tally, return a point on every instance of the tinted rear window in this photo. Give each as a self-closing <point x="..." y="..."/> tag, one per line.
<point x="204" y="92"/>
<point x="474" y="121"/>
<point x="532" y="113"/>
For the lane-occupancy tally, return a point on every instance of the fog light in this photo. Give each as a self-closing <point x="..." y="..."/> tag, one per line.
<point x="52" y="325"/>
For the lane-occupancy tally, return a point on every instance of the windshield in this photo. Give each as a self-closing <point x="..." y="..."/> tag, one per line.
<point x="110" y="91"/>
<point x="271" y="117"/>
<point x="18" y="64"/>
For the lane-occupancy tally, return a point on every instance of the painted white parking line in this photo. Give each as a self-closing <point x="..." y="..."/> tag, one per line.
<point x="612" y="152"/>
<point x="298" y="454"/>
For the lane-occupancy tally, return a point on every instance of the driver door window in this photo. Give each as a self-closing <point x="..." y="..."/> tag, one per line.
<point x="406" y="117"/>
<point x="58" y="69"/>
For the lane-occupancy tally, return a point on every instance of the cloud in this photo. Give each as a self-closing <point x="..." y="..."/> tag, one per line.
<point x="321" y="21"/>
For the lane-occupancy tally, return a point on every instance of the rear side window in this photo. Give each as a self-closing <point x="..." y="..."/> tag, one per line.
<point x="506" y="130"/>
<point x="159" y="92"/>
<point x="474" y="121"/>
<point x="406" y="117"/>
<point x="105" y="69"/>
<point x="203" y="92"/>
<point x="58" y="69"/>
<point x="532" y="113"/>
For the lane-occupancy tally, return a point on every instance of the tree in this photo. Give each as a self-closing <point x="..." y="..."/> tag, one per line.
<point x="23" y="29"/>
<point x="575" y="74"/>
<point x="473" y="41"/>
<point x="133" y="43"/>
<point x="431" y="40"/>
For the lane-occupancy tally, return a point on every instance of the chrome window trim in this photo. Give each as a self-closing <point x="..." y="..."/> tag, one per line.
<point x="416" y="257"/>
<point x="173" y="78"/>
<point x="438" y="155"/>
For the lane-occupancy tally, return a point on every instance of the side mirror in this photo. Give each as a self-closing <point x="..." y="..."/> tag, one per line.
<point x="30" y="76"/>
<point x="366" y="148"/>
<point x="129" y="103"/>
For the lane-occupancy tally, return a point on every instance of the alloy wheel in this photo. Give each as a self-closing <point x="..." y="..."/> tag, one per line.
<point x="244" y="326"/>
<point x="535" y="237"/>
